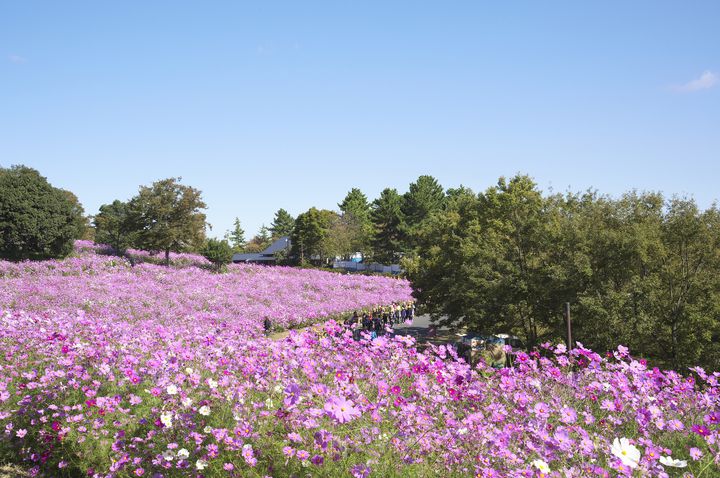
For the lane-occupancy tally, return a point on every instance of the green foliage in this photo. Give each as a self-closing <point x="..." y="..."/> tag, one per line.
<point x="344" y="236"/>
<point x="236" y="237"/>
<point x="113" y="226"/>
<point x="260" y="241"/>
<point x="355" y="209"/>
<point x="282" y="224"/>
<point x="167" y="217"/>
<point x="219" y="252"/>
<point x="639" y="270"/>
<point x="37" y="221"/>
<point x="424" y="197"/>
<point x="311" y="227"/>
<point x="388" y="221"/>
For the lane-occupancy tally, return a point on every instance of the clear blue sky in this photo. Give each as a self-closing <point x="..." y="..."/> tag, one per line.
<point x="270" y="104"/>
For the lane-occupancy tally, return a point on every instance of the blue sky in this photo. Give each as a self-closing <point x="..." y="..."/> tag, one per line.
<point x="263" y="105"/>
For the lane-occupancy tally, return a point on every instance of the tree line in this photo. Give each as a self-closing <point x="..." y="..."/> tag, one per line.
<point x="382" y="230"/>
<point x="640" y="270"/>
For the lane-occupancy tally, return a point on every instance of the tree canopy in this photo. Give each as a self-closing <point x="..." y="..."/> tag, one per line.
<point x="168" y="217"/>
<point x="236" y="237"/>
<point x="282" y="224"/>
<point x="218" y="252"/>
<point x="311" y="228"/>
<point x="113" y="226"/>
<point x="639" y="270"/>
<point x="424" y="197"/>
<point x="355" y="209"/>
<point x="388" y="221"/>
<point x="37" y="220"/>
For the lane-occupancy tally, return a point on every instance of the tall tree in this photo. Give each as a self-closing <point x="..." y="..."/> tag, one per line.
<point x="424" y="197"/>
<point x="311" y="227"/>
<point x="482" y="261"/>
<point x="37" y="221"/>
<point x="343" y="237"/>
<point x="387" y="219"/>
<point x="169" y="217"/>
<point x="236" y="237"/>
<point x="282" y="224"/>
<point x="356" y="209"/>
<point x="113" y="226"/>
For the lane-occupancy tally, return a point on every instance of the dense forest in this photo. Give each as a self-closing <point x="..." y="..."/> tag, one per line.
<point x="640" y="270"/>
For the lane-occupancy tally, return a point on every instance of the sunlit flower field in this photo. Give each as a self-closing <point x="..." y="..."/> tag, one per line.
<point x="109" y="370"/>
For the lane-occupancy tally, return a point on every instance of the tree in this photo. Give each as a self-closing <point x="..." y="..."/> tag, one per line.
<point x="343" y="236"/>
<point x="357" y="209"/>
<point x="260" y="241"/>
<point x="482" y="261"/>
<point x="37" y="221"/>
<point x="424" y="197"/>
<point x="219" y="252"/>
<point x="236" y="237"/>
<point x="113" y="226"/>
<point x="388" y="221"/>
<point x="168" y="216"/>
<point x="282" y="224"/>
<point x="311" y="227"/>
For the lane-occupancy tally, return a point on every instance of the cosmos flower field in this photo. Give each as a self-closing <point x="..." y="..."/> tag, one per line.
<point x="109" y="370"/>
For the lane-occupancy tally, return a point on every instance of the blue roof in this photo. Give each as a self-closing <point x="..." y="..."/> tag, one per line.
<point x="280" y="244"/>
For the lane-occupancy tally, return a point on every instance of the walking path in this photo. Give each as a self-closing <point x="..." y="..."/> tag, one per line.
<point x="421" y="329"/>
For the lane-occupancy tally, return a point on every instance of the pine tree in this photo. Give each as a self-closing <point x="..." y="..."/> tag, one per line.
<point x="236" y="237"/>
<point x="282" y="224"/>
<point x="387" y="219"/>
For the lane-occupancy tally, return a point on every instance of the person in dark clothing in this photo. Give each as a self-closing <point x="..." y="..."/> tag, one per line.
<point x="367" y="321"/>
<point x="267" y="325"/>
<point x="377" y="326"/>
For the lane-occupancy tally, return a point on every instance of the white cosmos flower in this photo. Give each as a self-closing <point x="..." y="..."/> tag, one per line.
<point x="212" y="383"/>
<point x="189" y="371"/>
<point x="629" y="455"/>
<point x="200" y="464"/>
<point x="541" y="465"/>
<point x="668" y="461"/>
<point x="208" y="429"/>
<point x="187" y="401"/>
<point x="166" y="419"/>
<point x="168" y="455"/>
<point x="172" y="390"/>
<point x="183" y="453"/>
<point x="204" y="410"/>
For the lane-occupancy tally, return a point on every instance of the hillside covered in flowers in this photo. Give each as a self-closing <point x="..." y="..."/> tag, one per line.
<point x="110" y="370"/>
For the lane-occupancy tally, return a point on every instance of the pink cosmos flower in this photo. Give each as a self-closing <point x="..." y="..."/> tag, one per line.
<point x="341" y="409"/>
<point x="541" y="410"/>
<point x="695" y="453"/>
<point x="568" y="415"/>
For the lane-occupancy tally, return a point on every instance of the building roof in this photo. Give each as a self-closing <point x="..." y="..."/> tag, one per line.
<point x="268" y="255"/>
<point x="280" y="244"/>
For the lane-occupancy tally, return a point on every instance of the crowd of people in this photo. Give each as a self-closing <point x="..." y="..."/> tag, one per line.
<point x="376" y="320"/>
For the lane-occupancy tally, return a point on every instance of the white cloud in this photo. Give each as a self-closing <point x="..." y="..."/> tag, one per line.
<point x="17" y="59"/>
<point x="706" y="81"/>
